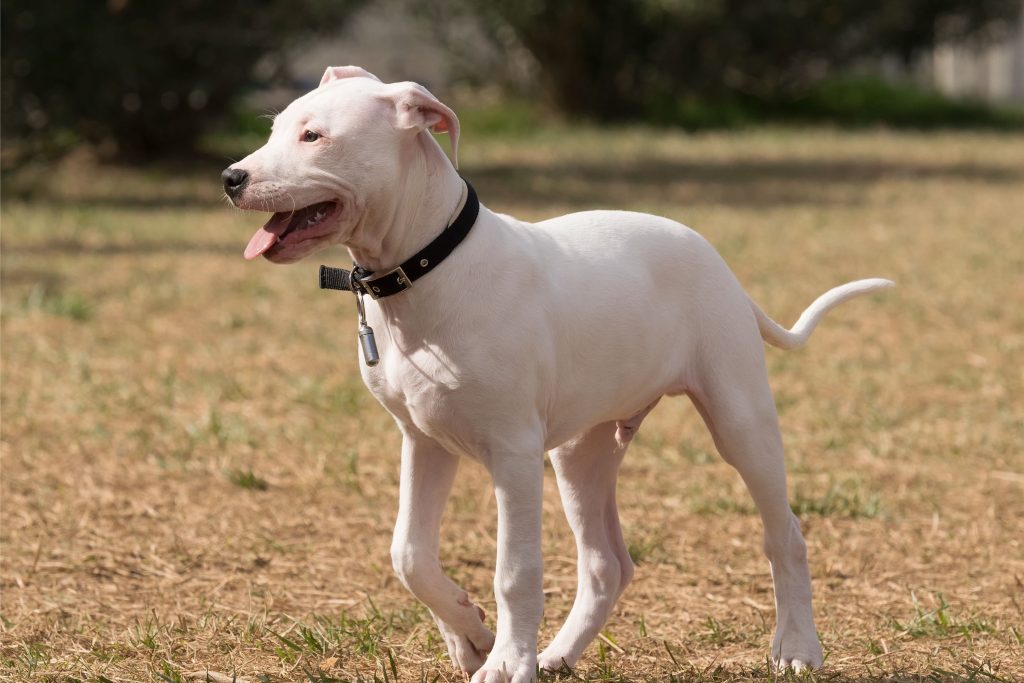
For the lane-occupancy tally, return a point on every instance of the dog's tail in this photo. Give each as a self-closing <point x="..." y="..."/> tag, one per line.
<point x="777" y="335"/>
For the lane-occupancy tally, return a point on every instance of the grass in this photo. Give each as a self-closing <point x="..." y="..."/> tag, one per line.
<point x="647" y="549"/>
<point x="938" y="621"/>
<point x="69" y="305"/>
<point x="246" y="479"/>
<point x="193" y="479"/>
<point x="849" y="499"/>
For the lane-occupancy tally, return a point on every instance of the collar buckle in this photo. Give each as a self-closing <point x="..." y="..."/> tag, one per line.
<point x="395" y="278"/>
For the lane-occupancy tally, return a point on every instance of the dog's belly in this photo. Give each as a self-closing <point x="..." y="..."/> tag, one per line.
<point x="629" y="301"/>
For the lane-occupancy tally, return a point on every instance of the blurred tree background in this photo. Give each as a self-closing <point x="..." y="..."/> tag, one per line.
<point x="142" y="78"/>
<point x="615" y="59"/>
<point x="148" y="78"/>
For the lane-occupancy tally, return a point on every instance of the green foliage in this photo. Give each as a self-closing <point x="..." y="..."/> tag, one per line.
<point x="142" y="77"/>
<point x="857" y="101"/>
<point x="509" y="118"/>
<point x="850" y="101"/>
<point x="625" y="58"/>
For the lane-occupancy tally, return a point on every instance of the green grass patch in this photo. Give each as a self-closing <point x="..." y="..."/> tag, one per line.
<point x="169" y="674"/>
<point x="847" y="499"/>
<point x="939" y="622"/>
<point x="31" y="656"/>
<point x="715" y="633"/>
<point x="367" y="633"/>
<point x="247" y="479"/>
<point x="716" y="506"/>
<point x="647" y="550"/>
<point x="57" y="302"/>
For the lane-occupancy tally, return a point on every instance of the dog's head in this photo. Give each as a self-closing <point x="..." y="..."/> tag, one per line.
<point x="330" y="153"/>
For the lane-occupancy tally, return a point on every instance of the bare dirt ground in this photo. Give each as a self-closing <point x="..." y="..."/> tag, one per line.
<point x="194" y="479"/>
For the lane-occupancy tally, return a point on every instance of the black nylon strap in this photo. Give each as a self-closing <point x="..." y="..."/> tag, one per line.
<point x="379" y="285"/>
<point x="335" y="278"/>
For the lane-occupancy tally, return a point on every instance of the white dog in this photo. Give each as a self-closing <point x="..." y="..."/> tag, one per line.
<point x="560" y="335"/>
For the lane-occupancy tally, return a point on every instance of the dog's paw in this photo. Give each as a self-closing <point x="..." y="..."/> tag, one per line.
<point x="467" y="652"/>
<point x="464" y="654"/>
<point x="556" y="662"/>
<point x="798" y="664"/>
<point x="796" y="652"/>
<point x="506" y="666"/>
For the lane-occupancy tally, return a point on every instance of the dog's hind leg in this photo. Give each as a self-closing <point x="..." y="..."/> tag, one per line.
<point x="426" y="480"/>
<point x="736" y="403"/>
<point x="587" y="469"/>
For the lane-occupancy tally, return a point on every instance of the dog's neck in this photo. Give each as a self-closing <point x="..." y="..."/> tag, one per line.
<point x="407" y="216"/>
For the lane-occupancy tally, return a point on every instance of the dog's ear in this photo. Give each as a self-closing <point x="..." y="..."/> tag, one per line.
<point x="416" y="108"/>
<point x="336" y="73"/>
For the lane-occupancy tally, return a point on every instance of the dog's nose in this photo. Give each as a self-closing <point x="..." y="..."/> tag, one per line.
<point x="235" y="180"/>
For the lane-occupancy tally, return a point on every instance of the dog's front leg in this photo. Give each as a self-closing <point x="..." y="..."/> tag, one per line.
<point x="426" y="480"/>
<point x="518" y="477"/>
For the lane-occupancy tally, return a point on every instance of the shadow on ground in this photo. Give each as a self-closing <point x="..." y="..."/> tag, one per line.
<point x="759" y="183"/>
<point x="631" y="183"/>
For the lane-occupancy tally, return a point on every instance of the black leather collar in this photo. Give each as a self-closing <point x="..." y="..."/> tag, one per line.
<point x="399" y="279"/>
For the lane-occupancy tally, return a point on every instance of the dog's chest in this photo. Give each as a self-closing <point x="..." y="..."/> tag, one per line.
<point x="423" y="391"/>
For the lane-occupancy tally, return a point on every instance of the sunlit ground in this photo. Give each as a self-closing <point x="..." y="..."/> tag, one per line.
<point x="195" y="479"/>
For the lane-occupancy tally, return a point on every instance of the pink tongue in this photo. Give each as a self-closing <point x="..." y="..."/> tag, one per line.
<point x="267" y="236"/>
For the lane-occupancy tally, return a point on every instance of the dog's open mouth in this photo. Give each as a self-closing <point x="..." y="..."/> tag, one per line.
<point x="292" y="227"/>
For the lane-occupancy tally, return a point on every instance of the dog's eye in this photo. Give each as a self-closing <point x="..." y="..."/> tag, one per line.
<point x="310" y="136"/>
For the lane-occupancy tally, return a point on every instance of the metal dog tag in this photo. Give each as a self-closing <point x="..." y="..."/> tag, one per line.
<point x="369" y="345"/>
<point x="366" y="340"/>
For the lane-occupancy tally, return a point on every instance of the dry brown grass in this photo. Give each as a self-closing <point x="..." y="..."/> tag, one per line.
<point x="194" y="478"/>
